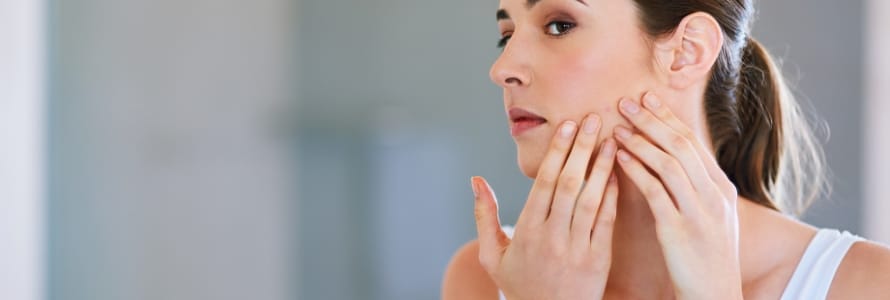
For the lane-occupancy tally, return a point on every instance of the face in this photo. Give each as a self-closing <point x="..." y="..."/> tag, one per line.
<point x="565" y="59"/>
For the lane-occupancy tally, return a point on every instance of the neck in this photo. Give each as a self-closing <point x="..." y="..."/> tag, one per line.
<point x="637" y="260"/>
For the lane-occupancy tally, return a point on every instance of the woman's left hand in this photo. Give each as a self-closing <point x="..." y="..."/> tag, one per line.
<point x="692" y="200"/>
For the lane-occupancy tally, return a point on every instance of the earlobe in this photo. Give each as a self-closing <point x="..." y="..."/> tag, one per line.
<point x="690" y="52"/>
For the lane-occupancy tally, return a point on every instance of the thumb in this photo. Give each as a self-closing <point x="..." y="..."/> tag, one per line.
<point x="492" y="239"/>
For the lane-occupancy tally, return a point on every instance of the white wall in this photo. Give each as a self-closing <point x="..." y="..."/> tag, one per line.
<point x="21" y="149"/>
<point x="877" y="122"/>
<point x="170" y="149"/>
<point x="824" y="65"/>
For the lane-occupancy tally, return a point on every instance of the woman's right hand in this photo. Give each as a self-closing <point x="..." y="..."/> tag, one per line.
<point x="562" y="243"/>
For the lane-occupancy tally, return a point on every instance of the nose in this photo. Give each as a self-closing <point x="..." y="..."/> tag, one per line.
<point x="510" y="69"/>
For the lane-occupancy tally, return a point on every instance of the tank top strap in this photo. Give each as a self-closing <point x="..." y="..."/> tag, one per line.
<point x="813" y="276"/>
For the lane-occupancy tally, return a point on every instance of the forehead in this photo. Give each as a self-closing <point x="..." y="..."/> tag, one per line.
<point x="529" y="4"/>
<point x="503" y="13"/>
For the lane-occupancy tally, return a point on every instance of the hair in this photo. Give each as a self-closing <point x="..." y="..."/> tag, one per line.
<point x="762" y="140"/>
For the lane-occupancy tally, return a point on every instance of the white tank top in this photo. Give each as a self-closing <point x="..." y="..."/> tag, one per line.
<point x="820" y="261"/>
<point x="813" y="275"/>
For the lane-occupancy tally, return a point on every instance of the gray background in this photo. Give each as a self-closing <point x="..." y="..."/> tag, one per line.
<point x="171" y="163"/>
<point x="183" y="132"/>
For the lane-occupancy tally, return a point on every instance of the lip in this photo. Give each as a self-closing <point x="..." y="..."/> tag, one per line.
<point x="522" y="121"/>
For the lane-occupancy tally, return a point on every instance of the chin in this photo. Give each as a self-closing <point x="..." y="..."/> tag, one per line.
<point x="530" y="172"/>
<point x="528" y="165"/>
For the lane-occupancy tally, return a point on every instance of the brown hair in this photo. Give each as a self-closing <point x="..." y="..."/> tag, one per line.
<point x="762" y="140"/>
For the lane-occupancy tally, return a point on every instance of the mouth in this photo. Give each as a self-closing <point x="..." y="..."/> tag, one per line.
<point x="521" y="121"/>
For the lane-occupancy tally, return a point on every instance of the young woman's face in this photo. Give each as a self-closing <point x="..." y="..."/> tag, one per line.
<point x="565" y="59"/>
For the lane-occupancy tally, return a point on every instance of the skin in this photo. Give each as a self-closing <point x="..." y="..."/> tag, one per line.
<point x="689" y="236"/>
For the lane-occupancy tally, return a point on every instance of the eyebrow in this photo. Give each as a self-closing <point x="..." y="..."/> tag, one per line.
<point x="529" y="4"/>
<point x="503" y="15"/>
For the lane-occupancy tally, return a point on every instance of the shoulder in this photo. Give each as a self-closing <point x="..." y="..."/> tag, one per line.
<point x="863" y="274"/>
<point x="465" y="278"/>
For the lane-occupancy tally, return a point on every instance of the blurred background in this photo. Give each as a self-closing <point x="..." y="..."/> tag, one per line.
<point x="309" y="149"/>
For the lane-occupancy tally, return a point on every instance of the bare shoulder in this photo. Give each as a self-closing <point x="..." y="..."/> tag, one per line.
<point x="465" y="278"/>
<point x="863" y="274"/>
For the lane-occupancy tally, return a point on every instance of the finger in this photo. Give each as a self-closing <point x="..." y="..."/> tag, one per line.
<point x="659" y="201"/>
<point x="601" y="235"/>
<point x="591" y="197"/>
<point x="571" y="178"/>
<point x="492" y="239"/>
<point x="667" y="169"/>
<point x="537" y="207"/>
<point x="663" y="113"/>
<point x="674" y="143"/>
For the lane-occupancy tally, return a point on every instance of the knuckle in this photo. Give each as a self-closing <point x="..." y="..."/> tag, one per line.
<point x="635" y="142"/>
<point x="688" y="134"/>
<point x="569" y="182"/>
<point x="479" y="213"/>
<point x="647" y="118"/>
<point x="671" y="166"/>
<point x="662" y="112"/>
<point x="607" y="221"/>
<point x="547" y="179"/>
<point x="600" y="168"/>
<point x="679" y="142"/>
<point x="559" y="145"/>
<point x="662" y="165"/>
<point x="587" y="206"/>
<point x="584" y="142"/>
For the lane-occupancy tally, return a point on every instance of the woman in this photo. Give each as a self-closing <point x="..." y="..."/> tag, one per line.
<point x="666" y="155"/>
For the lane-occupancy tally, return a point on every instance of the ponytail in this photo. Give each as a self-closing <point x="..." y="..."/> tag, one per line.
<point x="775" y="159"/>
<point x="761" y="138"/>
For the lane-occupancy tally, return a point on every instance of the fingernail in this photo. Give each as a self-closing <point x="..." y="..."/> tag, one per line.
<point x="608" y="148"/>
<point x="567" y="129"/>
<point x="623" y="156"/>
<point x="629" y="106"/>
<point x="475" y="187"/>
<point x="652" y="101"/>
<point x="591" y="123"/>
<point x="622" y="133"/>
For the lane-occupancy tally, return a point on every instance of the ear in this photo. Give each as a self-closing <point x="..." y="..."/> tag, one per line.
<point x="687" y="55"/>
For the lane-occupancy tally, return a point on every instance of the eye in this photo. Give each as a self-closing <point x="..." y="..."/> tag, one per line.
<point x="558" y="28"/>
<point x="503" y="41"/>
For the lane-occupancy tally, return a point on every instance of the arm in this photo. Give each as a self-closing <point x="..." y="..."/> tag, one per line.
<point x="465" y="278"/>
<point x="863" y="274"/>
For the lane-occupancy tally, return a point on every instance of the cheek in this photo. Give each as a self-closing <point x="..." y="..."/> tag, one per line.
<point x="594" y="79"/>
<point x="602" y="68"/>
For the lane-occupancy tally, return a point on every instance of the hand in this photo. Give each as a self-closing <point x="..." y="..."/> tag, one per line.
<point x="692" y="200"/>
<point x="562" y="245"/>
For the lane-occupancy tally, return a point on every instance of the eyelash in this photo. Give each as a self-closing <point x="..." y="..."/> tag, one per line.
<point x="503" y="41"/>
<point x="567" y="26"/>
